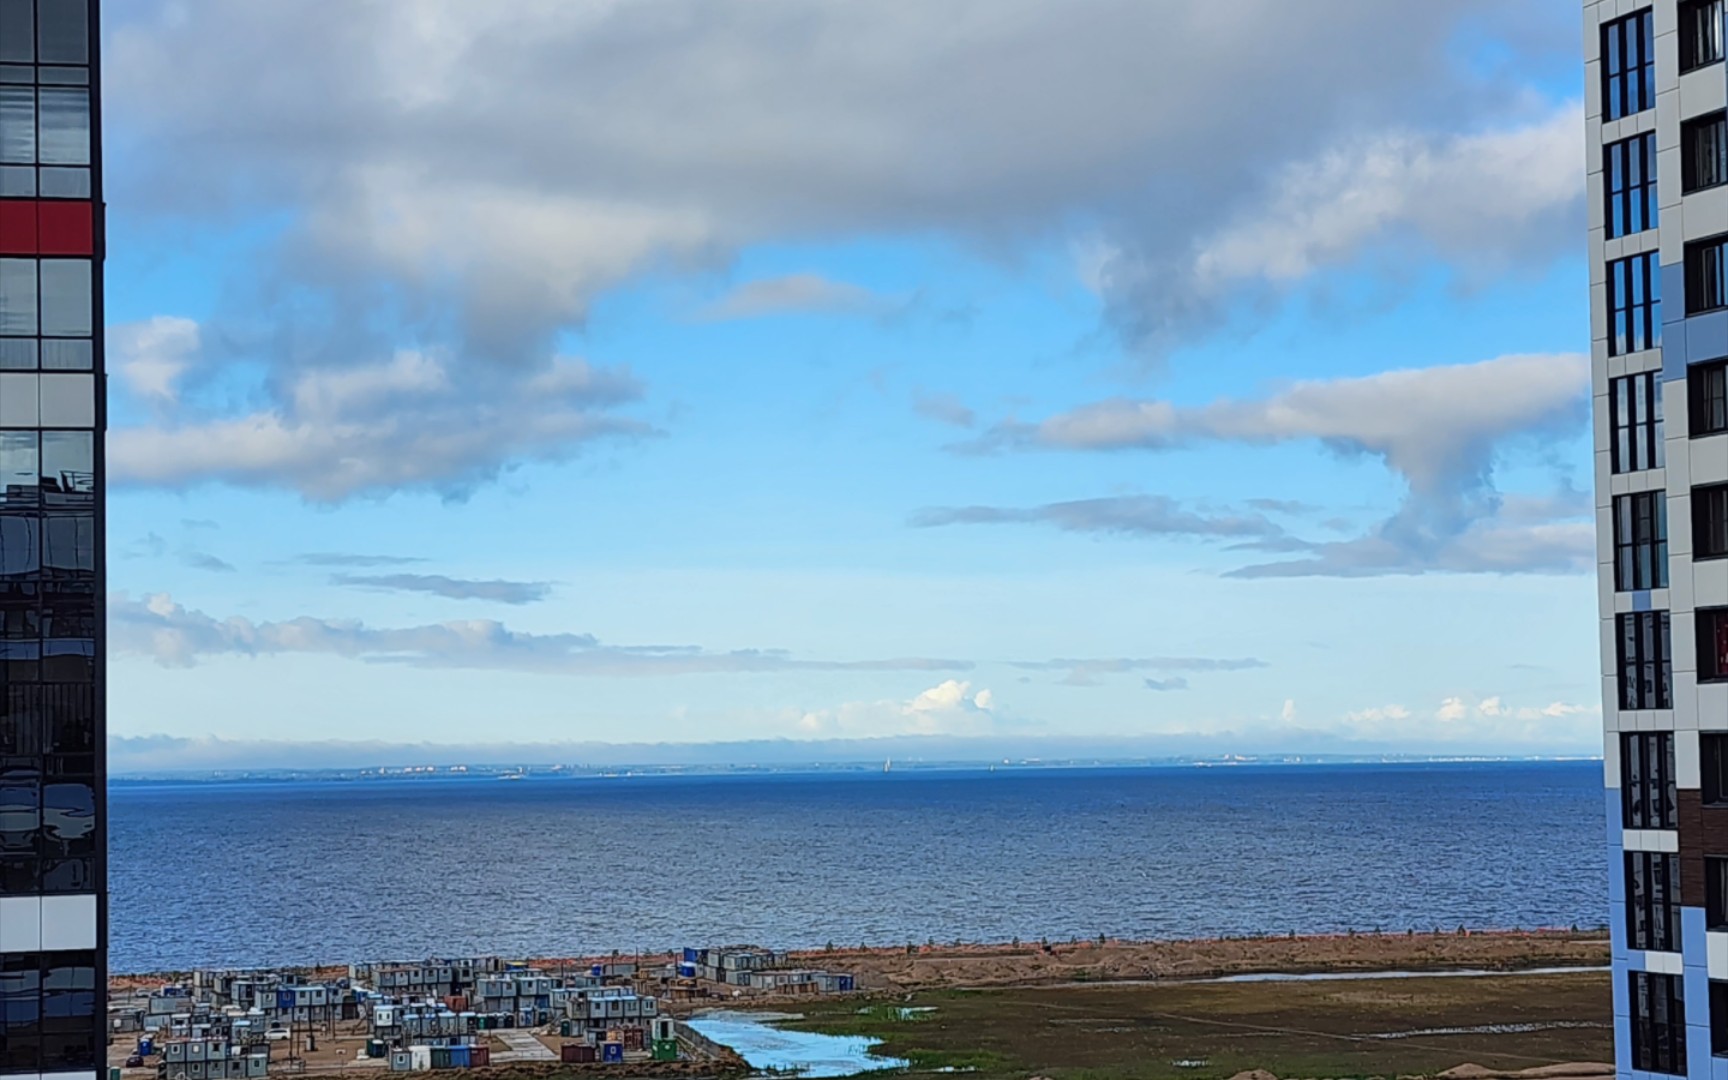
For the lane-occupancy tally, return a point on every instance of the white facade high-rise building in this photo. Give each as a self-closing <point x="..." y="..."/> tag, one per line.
<point x="1656" y="91"/>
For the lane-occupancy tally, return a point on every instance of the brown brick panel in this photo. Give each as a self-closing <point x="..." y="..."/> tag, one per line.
<point x="1703" y="831"/>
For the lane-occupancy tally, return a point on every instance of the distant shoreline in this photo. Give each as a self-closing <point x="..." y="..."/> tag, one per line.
<point x="494" y="773"/>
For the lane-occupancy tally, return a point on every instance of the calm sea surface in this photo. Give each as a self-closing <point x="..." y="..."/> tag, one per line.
<point x="248" y="874"/>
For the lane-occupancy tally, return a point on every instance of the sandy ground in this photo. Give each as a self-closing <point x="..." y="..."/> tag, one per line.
<point x="1031" y="964"/>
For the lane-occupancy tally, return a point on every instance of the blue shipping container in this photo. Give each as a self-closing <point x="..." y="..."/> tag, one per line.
<point x="598" y="970"/>
<point x="686" y="971"/>
<point x="459" y="1057"/>
<point x="612" y="1052"/>
<point x="690" y="956"/>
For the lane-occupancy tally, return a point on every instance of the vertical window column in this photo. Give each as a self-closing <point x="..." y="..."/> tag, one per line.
<point x="1641" y="541"/>
<point x="1637" y="441"/>
<point x="1646" y="660"/>
<point x="1628" y="65"/>
<point x="1634" y="304"/>
<point x="1629" y="168"/>
<point x="1658" y="1023"/>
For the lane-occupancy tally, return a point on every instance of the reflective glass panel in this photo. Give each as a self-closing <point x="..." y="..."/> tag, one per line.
<point x="63" y="355"/>
<point x="63" y="31"/>
<point x="65" y="182"/>
<point x="17" y="31"/>
<point x="17" y="181"/>
<point x="67" y="306"/>
<point x="20" y="546"/>
<point x="17" y="354"/>
<point x="67" y="876"/>
<point x="68" y="462"/>
<point x="68" y="818"/>
<point x="65" y="126"/>
<point x="18" y="125"/>
<point x="18" y="467"/>
<point x="18" y="296"/>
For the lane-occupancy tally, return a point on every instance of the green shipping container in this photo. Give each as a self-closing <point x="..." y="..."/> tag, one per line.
<point x="440" y="1057"/>
<point x="564" y="1029"/>
<point x="665" y="1049"/>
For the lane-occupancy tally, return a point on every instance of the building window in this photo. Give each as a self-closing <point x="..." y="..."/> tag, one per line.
<point x="1706" y="276"/>
<point x="1653" y="900"/>
<point x="1628" y="65"/>
<point x="1649" y="796"/>
<point x="1704" y="153"/>
<point x="1710" y="522"/>
<point x="1700" y="33"/>
<point x="1713" y="759"/>
<point x="1708" y="385"/>
<point x="1712" y="644"/>
<point x="47" y="1002"/>
<point x="1635" y="303"/>
<point x="1719" y="1018"/>
<point x="1716" y="894"/>
<point x="1658" y="1023"/>
<point x="1641" y="541"/>
<point x="1646" y="660"/>
<point x="1635" y="423"/>
<point x="1630" y="168"/>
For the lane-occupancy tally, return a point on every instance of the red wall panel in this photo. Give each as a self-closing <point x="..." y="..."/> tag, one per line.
<point x="47" y="227"/>
<point x="18" y="227"/>
<point x="65" y="228"/>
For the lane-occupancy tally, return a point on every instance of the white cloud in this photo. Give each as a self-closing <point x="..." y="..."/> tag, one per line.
<point x="1466" y="196"/>
<point x="151" y="357"/>
<point x="948" y="708"/>
<point x="414" y="421"/>
<point x="1485" y="722"/>
<point x="1412" y="419"/>
<point x="466" y="178"/>
<point x="157" y="627"/>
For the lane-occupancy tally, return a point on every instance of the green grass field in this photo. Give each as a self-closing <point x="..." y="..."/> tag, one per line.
<point x="1292" y="1029"/>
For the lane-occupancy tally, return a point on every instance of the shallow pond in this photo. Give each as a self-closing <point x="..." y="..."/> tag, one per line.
<point x="765" y="1046"/>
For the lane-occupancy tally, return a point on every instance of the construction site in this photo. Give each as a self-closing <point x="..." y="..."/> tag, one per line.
<point x="444" y="1014"/>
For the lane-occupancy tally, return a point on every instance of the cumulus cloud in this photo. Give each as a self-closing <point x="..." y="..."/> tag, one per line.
<point x="792" y="294"/>
<point x="1462" y="720"/>
<point x="1441" y="429"/>
<point x="949" y="708"/>
<point x="467" y="178"/>
<point x="495" y="590"/>
<point x="412" y="422"/>
<point x="157" y="627"/>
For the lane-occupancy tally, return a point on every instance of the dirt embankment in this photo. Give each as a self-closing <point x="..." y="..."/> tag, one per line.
<point x="1115" y="961"/>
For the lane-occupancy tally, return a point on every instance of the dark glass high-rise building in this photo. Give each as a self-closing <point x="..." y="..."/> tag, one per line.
<point x="53" y="874"/>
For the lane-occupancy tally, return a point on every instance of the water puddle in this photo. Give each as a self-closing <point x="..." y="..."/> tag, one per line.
<point x="1488" y="1029"/>
<point x="1347" y="976"/>
<point x="767" y="1047"/>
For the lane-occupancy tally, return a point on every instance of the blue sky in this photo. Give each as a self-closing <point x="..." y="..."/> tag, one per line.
<point x="678" y="372"/>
